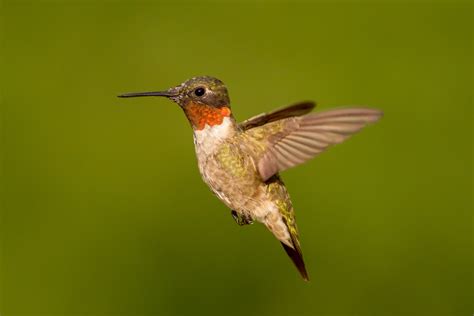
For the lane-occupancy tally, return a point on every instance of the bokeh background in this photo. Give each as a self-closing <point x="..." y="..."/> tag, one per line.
<point x="103" y="209"/>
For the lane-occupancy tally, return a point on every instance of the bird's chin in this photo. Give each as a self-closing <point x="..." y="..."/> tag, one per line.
<point x="177" y="100"/>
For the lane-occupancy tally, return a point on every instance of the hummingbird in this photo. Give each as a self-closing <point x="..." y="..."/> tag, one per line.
<point x="241" y="162"/>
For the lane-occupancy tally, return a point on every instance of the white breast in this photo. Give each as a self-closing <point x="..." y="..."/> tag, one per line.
<point x="206" y="142"/>
<point x="207" y="139"/>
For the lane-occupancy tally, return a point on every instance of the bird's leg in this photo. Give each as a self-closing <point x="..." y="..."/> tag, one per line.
<point x="241" y="219"/>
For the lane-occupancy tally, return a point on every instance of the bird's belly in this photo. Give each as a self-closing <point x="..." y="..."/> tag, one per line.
<point x="249" y="195"/>
<point x="232" y="176"/>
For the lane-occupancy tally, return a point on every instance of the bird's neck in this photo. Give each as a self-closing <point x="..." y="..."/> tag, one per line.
<point x="211" y="126"/>
<point x="201" y="116"/>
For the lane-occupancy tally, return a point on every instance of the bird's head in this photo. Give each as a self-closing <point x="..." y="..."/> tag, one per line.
<point x="204" y="99"/>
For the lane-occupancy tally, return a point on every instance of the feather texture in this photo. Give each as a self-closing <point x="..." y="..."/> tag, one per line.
<point x="294" y="140"/>
<point x="296" y="109"/>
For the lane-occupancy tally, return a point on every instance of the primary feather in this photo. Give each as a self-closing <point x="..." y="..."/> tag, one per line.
<point x="294" y="140"/>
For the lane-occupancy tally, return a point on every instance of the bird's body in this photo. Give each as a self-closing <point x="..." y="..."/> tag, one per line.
<point x="241" y="162"/>
<point x="226" y="158"/>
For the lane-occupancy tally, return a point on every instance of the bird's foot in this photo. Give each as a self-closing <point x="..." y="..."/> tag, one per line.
<point x="241" y="219"/>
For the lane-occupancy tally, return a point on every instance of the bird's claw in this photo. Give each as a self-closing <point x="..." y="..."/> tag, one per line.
<point x="241" y="219"/>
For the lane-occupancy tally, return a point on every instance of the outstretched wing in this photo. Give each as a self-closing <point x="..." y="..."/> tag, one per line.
<point x="288" y="142"/>
<point x="296" y="109"/>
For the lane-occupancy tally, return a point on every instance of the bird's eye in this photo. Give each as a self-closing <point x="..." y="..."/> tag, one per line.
<point x="199" y="92"/>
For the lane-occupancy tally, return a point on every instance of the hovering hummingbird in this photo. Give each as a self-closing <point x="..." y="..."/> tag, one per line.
<point x="241" y="162"/>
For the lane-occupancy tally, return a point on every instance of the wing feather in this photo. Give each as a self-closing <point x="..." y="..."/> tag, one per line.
<point x="294" y="140"/>
<point x="296" y="109"/>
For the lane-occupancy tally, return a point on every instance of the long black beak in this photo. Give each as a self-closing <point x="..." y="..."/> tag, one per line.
<point x="148" y="94"/>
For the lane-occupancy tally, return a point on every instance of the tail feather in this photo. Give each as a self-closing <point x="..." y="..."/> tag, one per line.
<point x="281" y="210"/>
<point x="297" y="258"/>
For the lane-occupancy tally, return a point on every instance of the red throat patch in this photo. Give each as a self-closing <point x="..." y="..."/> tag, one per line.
<point x="199" y="115"/>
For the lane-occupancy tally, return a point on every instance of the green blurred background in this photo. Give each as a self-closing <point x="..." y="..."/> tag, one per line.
<point x="103" y="209"/>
